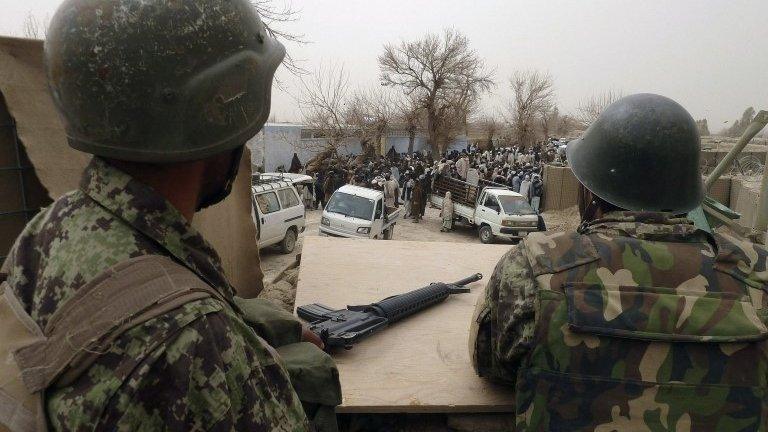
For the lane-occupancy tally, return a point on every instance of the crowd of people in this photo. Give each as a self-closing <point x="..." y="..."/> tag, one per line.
<point x="408" y="179"/>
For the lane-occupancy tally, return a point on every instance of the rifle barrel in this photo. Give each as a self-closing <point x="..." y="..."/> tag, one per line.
<point x="468" y="280"/>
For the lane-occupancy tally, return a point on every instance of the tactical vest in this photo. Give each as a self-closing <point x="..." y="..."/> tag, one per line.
<point x="636" y="335"/>
<point x="122" y="297"/>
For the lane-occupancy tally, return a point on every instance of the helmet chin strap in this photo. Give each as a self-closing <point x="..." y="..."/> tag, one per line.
<point x="588" y="215"/>
<point x="226" y="187"/>
<point x="588" y="207"/>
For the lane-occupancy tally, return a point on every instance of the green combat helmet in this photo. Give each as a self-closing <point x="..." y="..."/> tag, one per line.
<point x="641" y="154"/>
<point x="159" y="80"/>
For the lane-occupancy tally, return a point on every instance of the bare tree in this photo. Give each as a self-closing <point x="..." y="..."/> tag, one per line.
<point x="323" y="103"/>
<point x="566" y="125"/>
<point x="276" y="16"/>
<point x="491" y="127"/>
<point x="590" y="109"/>
<point x="738" y="127"/>
<point x="443" y="74"/>
<point x="33" y="27"/>
<point x="533" y="99"/>
<point x="454" y="114"/>
<point x="411" y="115"/>
<point x="334" y="114"/>
<point x="548" y="117"/>
<point x="554" y="122"/>
<point x="370" y="113"/>
<point x="703" y="127"/>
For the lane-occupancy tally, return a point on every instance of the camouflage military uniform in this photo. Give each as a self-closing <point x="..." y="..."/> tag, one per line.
<point x="199" y="367"/>
<point x="638" y="322"/>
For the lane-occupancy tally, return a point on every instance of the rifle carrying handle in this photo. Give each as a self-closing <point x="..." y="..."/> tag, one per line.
<point x="313" y="312"/>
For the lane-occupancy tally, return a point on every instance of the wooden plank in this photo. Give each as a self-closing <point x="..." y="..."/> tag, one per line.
<point x="420" y="364"/>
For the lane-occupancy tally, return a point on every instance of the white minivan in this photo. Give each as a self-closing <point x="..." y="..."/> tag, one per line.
<point x="278" y="213"/>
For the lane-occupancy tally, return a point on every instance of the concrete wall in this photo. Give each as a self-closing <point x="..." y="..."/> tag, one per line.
<point x="561" y="189"/>
<point x="744" y="197"/>
<point x="400" y="144"/>
<point x="277" y="142"/>
<point x="721" y="190"/>
<point x="712" y="158"/>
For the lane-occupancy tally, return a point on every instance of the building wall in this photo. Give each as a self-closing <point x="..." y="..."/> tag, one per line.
<point x="277" y="142"/>
<point x="400" y="143"/>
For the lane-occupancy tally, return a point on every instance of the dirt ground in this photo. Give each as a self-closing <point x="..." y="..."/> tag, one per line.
<point x="284" y="294"/>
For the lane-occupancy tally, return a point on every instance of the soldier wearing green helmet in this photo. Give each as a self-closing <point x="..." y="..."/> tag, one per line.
<point x="638" y="320"/>
<point x="165" y="95"/>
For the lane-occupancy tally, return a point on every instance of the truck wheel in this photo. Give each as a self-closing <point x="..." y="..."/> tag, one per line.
<point x="288" y="244"/>
<point x="486" y="234"/>
<point x="389" y="233"/>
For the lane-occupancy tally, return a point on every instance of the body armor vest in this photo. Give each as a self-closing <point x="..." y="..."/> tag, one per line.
<point x="635" y="334"/>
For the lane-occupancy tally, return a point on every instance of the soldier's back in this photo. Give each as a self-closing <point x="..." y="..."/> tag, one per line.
<point x="651" y="325"/>
<point x="197" y="367"/>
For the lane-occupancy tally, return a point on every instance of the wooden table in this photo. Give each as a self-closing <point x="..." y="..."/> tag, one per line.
<point x="420" y="364"/>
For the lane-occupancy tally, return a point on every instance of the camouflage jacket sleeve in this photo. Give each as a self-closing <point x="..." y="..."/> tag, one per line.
<point x="212" y="373"/>
<point x="503" y="323"/>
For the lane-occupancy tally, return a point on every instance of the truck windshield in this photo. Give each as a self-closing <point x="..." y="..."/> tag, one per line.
<point x="513" y="205"/>
<point x="350" y="205"/>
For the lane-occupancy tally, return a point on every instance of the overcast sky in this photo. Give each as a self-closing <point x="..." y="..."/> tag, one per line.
<point x="708" y="55"/>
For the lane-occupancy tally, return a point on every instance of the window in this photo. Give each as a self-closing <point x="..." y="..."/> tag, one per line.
<point x="491" y="202"/>
<point x="379" y="209"/>
<point x="268" y="202"/>
<point x="350" y="205"/>
<point x="516" y="205"/>
<point x="288" y="198"/>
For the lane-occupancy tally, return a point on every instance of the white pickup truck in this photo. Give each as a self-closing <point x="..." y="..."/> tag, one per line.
<point x="496" y="211"/>
<point x="358" y="212"/>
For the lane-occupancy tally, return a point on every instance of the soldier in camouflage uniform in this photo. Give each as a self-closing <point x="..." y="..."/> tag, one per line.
<point x="638" y="321"/>
<point x="157" y="88"/>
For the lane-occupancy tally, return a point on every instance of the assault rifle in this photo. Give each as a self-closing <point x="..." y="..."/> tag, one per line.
<point x="346" y="327"/>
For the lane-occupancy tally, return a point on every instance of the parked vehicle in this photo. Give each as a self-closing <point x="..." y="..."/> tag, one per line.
<point x="496" y="211"/>
<point x="358" y="212"/>
<point x="295" y="179"/>
<point x="278" y="212"/>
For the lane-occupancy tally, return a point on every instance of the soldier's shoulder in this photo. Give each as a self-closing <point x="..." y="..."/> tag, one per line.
<point x="65" y="246"/>
<point x="62" y="208"/>
<point x="742" y="259"/>
<point x="553" y="252"/>
<point x="89" y="239"/>
<point x="176" y="372"/>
